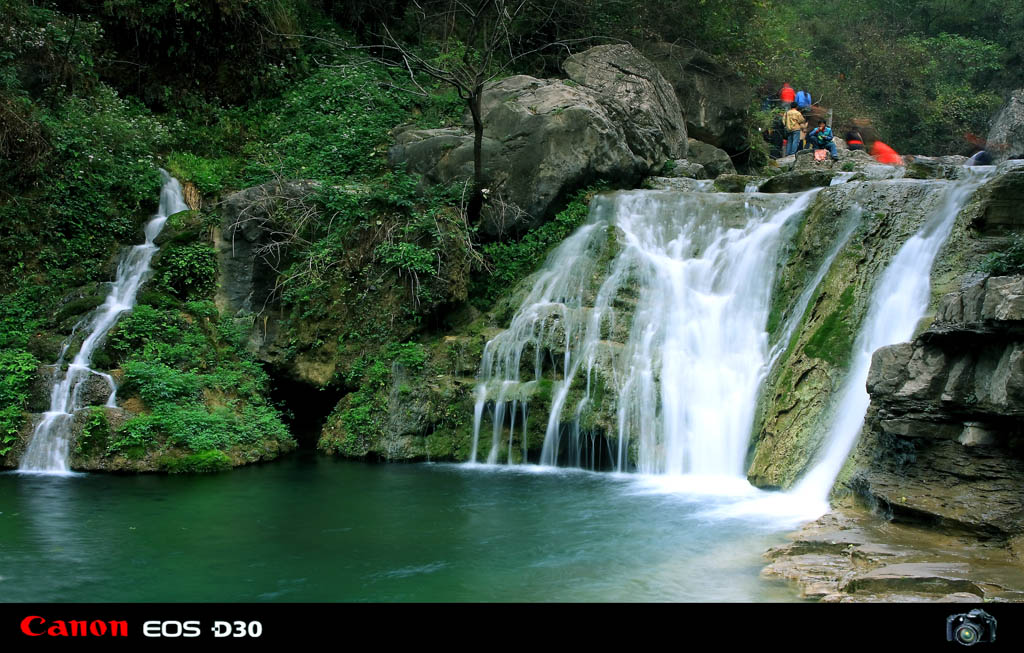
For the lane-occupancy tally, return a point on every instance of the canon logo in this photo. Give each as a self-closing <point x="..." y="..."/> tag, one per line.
<point x="36" y="626"/>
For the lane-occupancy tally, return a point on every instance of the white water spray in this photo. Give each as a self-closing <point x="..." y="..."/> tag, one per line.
<point x="898" y="303"/>
<point x="697" y="269"/>
<point x="47" y="452"/>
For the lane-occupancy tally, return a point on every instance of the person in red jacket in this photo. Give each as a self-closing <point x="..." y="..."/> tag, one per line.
<point x="787" y="95"/>
<point x="885" y="154"/>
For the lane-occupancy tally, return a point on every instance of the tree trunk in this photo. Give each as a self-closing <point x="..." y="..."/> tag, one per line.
<point x="476" y="200"/>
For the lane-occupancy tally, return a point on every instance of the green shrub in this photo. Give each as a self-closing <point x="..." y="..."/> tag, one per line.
<point x="209" y="175"/>
<point x="513" y="261"/>
<point x="202" y="462"/>
<point x="157" y="383"/>
<point x="1008" y="261"/>
<point x="94" y="436"/>
<point x="16" y="370"/>
<point x="188" y="270"/>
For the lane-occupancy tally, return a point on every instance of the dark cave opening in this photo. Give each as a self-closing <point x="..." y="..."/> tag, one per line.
<point x="305" y="407"/>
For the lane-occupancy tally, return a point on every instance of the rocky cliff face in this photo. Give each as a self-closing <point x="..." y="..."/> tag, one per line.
<point x="714" y="98"/>
<point x="942" y="442"/>
<point x="940" y="466"/>
<point x="878" y="217"/>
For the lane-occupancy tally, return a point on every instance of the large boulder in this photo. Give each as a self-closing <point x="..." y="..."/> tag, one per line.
<point x="636" y="95"/>
<point x="715" y="161"/>
<point x="714" y="98"/>
<point x="1006" y="135"/>
<point x="616" y="118"/>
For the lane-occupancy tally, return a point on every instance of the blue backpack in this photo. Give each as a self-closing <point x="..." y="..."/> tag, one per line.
<point x="803" y="99"/>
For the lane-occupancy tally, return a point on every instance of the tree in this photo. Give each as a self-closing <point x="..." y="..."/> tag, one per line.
<point x="467" y="43"/>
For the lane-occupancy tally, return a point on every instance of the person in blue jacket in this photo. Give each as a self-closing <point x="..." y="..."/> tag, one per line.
<point x="821" y="139"/>
<point x="803" y="99"/>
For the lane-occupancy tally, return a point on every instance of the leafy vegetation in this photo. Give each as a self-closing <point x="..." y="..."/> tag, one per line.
<point x="1007" y="261"/>
<point x="514" y="260"/>
<point x="16" y="370"/>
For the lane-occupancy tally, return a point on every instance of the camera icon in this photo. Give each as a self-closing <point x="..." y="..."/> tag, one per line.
<point x="971" y="628"/>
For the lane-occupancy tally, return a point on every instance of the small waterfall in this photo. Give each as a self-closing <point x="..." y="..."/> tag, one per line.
<point x="47" y="452"/>
<point x="674" y="322"/>
<point x="898" y="303"/>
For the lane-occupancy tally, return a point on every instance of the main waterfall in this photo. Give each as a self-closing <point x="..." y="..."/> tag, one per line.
<point x="644" y="333"/>
<point x="47" y="452"/>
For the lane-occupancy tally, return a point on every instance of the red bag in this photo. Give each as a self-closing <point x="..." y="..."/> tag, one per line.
<point x="819" y="155"/>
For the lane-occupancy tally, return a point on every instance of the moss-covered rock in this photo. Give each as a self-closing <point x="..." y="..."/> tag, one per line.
<point x="793" y="412"/>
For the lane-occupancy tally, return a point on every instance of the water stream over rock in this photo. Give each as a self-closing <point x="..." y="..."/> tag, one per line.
<point x="47" y="452"/>
<point x="661" y="301"/>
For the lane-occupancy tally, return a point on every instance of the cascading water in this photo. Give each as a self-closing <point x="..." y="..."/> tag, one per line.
<point x="898" y="303"/>
<point x="676" y="328"/>
<point x="47" y="452"/>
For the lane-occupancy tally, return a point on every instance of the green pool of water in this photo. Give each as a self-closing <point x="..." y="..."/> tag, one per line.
<point x="310" y="528"/>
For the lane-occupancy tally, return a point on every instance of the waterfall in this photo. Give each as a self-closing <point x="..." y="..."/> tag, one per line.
<point x="663" y="297"/>
<point x="898" y="302"/>
<point x="48" y="450"/>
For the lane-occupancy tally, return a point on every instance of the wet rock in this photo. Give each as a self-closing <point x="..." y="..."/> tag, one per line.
<point x="1006" y="135"/>
<point x="41" y="388"/>
<point x="796" y="181"/>
<point x="685" y="168"/>
<point x="794" y="409"/>
<point x="1002" y="198"/>
<point x="94" y="391"/>
<point x="715" y="161"/>
<point x="941" y="442"/>
<point x="850" y="555"/>
<point x="683" y="184"/>
<point x="943" y="167"/>
<point x="734" y="183"/>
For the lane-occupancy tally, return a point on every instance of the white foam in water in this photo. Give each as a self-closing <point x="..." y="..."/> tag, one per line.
<point x="47" y="452"/>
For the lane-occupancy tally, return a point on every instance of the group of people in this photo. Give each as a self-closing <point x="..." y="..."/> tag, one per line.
<point x="821" y="138"/>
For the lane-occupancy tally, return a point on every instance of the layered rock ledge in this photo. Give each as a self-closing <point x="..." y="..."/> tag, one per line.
<point x="935" y="507"/>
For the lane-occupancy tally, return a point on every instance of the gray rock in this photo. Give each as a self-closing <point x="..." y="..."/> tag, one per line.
<point x="713" y="97"/>
<point x="732" y="183"/>
<point x="982" y="305"/>
<point x="94" y="391"/>
<point x="636" y="95"/>
<point x="796" y="181"/>
<point x="616" y="118"/>
<point x="40" y="388"/>
<point x="685" y="168"/>
<point x="785" y="163"/>
<point x="715" y="161"/>
<point x="247" y="222"/>
<point x="942" y="167"/>
<point x="683" y="184"/>
<point x="1006" y="134"/>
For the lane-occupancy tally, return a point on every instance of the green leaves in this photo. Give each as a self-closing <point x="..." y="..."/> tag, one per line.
<point x="512" y="261"/>
<point x="188" y="270"/>
<point x="16" y="370"/>
<point x="1008" y="261"/>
